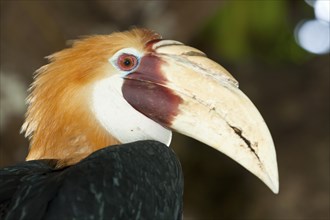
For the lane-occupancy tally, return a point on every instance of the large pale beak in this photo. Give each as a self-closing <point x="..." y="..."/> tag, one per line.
<point x="203" y="101"/>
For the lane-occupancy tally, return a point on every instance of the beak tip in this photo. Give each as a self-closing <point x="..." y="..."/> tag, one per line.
<point x="272" y="181"/>
<point x="274" y="186"/>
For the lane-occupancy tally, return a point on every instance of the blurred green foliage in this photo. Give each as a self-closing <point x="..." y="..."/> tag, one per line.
<point x="255" y="28"/>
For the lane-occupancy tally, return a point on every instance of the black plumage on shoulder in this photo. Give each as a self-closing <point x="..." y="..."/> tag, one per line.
<point x="140" y="180"/>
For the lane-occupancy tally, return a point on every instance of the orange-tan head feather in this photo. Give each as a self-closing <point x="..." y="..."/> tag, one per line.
<point x="59" y="121"/>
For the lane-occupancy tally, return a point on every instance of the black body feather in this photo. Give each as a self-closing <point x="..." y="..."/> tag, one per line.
<point x="140" y="180"/>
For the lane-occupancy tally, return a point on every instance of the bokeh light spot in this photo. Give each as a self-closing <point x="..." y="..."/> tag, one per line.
<point x="322" y="10"/>
<point x="314" y="36"/>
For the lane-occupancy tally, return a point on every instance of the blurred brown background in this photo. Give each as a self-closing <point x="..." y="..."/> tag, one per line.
<point x="254" y="40"/>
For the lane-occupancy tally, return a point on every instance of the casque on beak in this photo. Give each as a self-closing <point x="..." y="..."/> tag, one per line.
<point x="193" y="95"/>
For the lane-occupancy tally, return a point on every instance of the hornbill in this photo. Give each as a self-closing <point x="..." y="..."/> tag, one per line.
<point x="100" y="120"/>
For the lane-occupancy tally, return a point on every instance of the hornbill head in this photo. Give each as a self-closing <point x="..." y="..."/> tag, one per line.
<point x="131" y="86"/>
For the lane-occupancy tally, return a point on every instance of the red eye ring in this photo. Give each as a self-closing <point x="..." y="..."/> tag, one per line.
<point x="127" y="62"/>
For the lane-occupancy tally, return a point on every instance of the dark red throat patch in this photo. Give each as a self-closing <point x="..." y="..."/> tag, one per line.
<point x="144" y="90"/>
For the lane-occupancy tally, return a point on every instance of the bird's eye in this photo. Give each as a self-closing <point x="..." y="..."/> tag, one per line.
<point x="127" y="62"/>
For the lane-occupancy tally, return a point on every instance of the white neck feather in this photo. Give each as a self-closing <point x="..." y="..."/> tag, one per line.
<point x="120" y="119"/>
